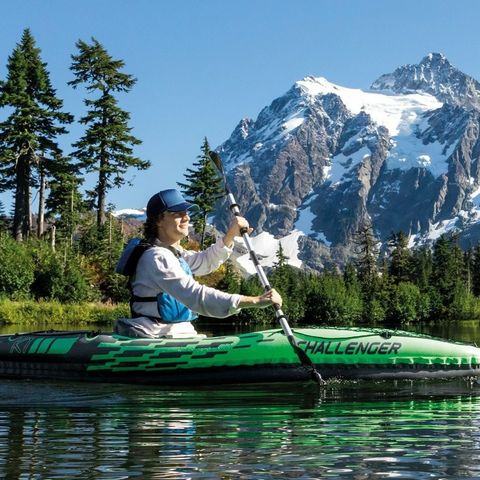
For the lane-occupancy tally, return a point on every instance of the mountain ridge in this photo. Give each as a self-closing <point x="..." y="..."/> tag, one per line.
<point x="402" y="159"/>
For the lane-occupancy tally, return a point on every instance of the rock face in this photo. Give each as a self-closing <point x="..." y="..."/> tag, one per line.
<point x="326" y="159"/>
<point x="434" y="75"/>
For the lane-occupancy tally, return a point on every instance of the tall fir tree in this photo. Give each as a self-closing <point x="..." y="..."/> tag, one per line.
<point x="282" y="258"/>
<point x="65" y="203"/>
<point x="3" y="219"/>
<point x="476" y="271"/>
<point x="367" y="268"/>
<point x="448" y="271"/>
<point x="400" y="268"/>
<point x="28" y="146"/>
<point x="422" y="267"/>
<point x="107" y="145"/>
<point x="367" y="259"/>
<point x="203" y="187"/>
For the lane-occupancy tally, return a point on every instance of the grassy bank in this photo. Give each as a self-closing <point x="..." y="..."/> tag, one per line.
<point x="54" y="313"/>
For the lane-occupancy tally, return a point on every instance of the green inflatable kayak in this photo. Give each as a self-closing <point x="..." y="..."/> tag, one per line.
<point x="263" y="356"/>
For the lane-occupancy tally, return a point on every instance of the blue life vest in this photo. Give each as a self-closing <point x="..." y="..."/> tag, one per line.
<point x="170" y="310"/>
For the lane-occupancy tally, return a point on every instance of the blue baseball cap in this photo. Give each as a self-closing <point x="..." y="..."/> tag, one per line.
<point x="170" y="200"/>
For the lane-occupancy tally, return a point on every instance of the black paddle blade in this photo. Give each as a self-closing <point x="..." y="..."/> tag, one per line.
<point x="315" y="374"/>
<point x="217" y="161"/>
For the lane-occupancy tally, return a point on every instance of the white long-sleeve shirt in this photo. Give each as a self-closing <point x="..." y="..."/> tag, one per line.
<point x="159" y="270"/>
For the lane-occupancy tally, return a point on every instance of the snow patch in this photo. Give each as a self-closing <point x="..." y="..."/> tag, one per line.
<point x="139" y="214"/>
<point x="342" y="164"/>
<point x="305" y="219"/>
<point x="409" y="151"/>
<point x="266" y="247"/>
<point x="292" y="124"/>
<point x="475" y="197"/>
<point x="393" y="111"/>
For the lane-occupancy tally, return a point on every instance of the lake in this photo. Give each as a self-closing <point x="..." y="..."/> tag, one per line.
<point x="348" y="430"/>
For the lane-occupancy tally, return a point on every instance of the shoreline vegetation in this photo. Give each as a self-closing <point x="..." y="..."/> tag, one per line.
<point x="53" y="314"/>
<point x="75" y="284"/>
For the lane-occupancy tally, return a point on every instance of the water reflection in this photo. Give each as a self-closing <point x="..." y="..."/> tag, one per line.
<point x="352" y="430"/>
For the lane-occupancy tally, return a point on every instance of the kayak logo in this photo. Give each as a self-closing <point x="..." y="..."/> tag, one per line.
<point x="21" y="345"/>
<point x="332" y="347"/>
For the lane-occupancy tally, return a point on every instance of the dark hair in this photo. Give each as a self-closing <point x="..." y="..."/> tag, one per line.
<point x="150" y="227"/>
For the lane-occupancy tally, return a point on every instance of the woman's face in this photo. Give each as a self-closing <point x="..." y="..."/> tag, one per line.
<point x="173" y="226"/>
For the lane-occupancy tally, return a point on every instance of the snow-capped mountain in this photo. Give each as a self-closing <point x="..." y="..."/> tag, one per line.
<point x="324" y="159"/>
<point x="131" y="213"/>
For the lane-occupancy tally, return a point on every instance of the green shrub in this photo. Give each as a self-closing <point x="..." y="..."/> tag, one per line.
<point x="60" y="276"/>
<point x="404" y="304"/>
<point x="329" y="301"/>
<point x="16" y="269"/>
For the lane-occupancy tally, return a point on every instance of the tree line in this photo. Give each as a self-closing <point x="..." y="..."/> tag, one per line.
<point x="30" y="155"/>
<point x="396" y="286"/>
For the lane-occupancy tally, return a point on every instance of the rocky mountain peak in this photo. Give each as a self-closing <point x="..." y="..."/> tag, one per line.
<point x="324" y="159"/>
<point x="434" y="75"/>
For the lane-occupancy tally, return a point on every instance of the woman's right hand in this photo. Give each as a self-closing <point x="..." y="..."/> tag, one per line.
<point x="271" y="297"/>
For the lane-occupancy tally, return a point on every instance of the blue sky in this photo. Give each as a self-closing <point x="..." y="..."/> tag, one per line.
<point x="204" y="65"/>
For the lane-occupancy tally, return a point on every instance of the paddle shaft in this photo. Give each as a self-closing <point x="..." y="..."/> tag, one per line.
<point x="303" y="357"/>
<point x="260" y="272"/>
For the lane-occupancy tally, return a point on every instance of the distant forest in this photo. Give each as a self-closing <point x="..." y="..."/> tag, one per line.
<point x="67" y="249"/>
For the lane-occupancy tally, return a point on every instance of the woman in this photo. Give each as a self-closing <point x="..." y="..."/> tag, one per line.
<point x="165" y="296"/>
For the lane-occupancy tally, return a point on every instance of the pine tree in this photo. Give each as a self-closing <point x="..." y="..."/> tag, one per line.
<point x="28" y="136"/>
<point x="400" y="267"/>
<point x="65" y="203"/>
<point x="476" y="271"/>
<point x="367" y="257"/>
<point x="350" y="277"/>
<point x="202" y="187"/>
<point x="230" y="282"/>
<point x="422" y="267"/>
<point x="3" y="218"/>
<point x="448" y="271"/>
<point x="106" y="146"/>
<point x="281" y="274"/>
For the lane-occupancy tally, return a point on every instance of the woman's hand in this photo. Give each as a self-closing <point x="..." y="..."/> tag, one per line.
<point x="236" y="228"/>
<point x="272" y="297"/>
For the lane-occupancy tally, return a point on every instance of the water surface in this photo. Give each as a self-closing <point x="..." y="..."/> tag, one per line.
<point x="348" y="430"/>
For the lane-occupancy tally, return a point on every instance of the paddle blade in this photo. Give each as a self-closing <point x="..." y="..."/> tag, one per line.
<point x="217" y="161"/>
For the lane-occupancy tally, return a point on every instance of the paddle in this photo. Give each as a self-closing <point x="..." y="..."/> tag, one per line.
<point x="302" y="356"/>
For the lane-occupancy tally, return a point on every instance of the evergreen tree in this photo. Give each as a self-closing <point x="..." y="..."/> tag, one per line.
<point x="448" y="272"/>
<point x="476" y="271"/>
<point x="400" y="268"/>
<point x="282" y="259"/>
<point x="230" y="282"/>
<point x="468" y="270"/>
<point x="350" y="277"/>
<point x="203" y="187"/>
<point x="28" y="136"/>
<point x="291" y="284"/>
<point x="367" y="258"/>
<point x="422" y="267"/>
<point x="106" y="146"/>
<point x="4" y="223"/>
<point x="65" y="203"/>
